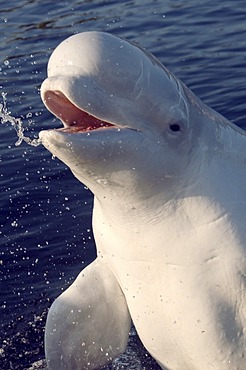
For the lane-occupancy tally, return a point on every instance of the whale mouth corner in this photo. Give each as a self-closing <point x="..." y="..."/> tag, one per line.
<point x="74" y="119"/>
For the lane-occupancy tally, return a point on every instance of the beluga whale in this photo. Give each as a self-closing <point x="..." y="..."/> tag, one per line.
<point x="169" y="219"/>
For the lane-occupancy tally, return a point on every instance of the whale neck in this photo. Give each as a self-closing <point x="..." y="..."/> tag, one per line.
<point x="219" y="136"/>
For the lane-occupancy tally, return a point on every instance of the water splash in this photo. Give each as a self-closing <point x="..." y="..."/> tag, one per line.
<point x="16" y="123"/>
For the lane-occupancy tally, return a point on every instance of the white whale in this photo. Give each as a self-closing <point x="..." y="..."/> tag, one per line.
<point x="169" y="219"/>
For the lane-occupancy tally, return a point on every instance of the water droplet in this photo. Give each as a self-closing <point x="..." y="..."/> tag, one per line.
<point x="16" y="123"/>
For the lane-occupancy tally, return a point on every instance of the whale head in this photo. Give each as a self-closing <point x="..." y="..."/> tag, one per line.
<point x="130" y="127"/>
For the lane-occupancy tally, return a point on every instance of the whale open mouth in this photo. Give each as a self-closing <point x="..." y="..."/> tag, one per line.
<point x="73" y="118"/>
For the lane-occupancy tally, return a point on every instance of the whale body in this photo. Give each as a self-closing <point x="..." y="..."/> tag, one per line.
<point x="169" y="183"/>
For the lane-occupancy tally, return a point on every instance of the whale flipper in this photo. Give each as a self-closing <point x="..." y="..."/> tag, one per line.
<point x="89" y="323"/>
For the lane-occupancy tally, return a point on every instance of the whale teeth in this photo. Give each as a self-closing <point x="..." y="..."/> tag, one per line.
<point x="76" y="129"/>
<point x="73" y="118"/>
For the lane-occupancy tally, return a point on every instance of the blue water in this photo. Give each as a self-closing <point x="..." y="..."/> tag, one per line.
<point x="45" y="223"/>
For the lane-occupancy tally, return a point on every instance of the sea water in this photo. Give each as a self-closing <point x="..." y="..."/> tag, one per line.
<point x="46" y="235"/>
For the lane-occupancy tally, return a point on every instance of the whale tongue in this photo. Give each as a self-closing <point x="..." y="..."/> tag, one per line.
<point x="73" y="118"/>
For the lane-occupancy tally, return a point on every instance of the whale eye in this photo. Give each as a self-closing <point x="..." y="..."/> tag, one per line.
<point x="175" y="127"/>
